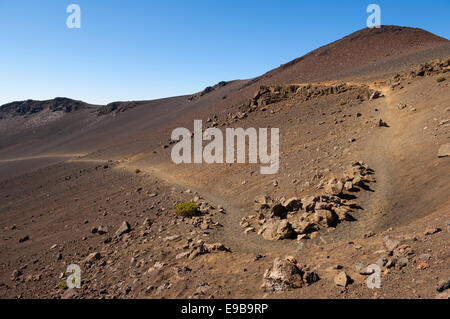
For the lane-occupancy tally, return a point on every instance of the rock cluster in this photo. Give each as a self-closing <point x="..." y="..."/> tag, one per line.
<point x="207" y="90"/>
<point x="297" y="218"/>
<point x="203" y="219"/>
<point x="426" y="69"/>
<point x="269" y="95"/>
<point x="431" y="68"/>
<point x="117" y="107"/>
<point x="197" y="248"/>
<point x="286" y="273"/>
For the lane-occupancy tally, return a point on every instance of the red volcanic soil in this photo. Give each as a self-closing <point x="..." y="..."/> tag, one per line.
<point x="68" y="168"/>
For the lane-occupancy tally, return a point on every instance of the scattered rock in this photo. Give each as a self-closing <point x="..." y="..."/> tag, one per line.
<point x="91" y="258"/>
<point x="182" y="255"/>
<point x="102" y="230"/>
<point x="375" y="95"/>
<point x="249" y="230"/>
<point x="342" y="279"/>
<point x="172" y="238"/>
<point x="123" y="229"/>
<point x="147" y="222"/>
<point x="421" y="264"/>
<point x="24" y="239"/>
<point x="382" y="123"/>
<point x="443" y="285"/>
<point x="382" y="262"/>
<point x="16" y="274"/>
<point x="390" y="243"/>
<point x="69" y="294"/>
<point x="444" y="150"/>
<point x="432" y="230"/>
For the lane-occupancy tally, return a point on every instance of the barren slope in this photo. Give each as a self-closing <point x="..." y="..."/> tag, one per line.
<point x="330" y="112"/>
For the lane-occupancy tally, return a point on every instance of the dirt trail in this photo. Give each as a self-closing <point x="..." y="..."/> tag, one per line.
<point x="379" y="155"/>
<point x="376" y="205"/>
<point x="231" y="234"/>
<point x="42" y="156"/>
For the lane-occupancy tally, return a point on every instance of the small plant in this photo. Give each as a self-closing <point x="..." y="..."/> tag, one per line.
<point x="342" y="102"/>
<point x="308" y="86"/>
<point x="62" y="285"/>
<point x="137" y="171"/>
<point x="186" y="209"/>
<point x="440" y="79"/>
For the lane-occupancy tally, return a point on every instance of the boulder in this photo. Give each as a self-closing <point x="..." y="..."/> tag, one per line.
<point x="309" y="203"/>
<point x="324" y="218"/>
<point x="334" y="187"/>
<point x="283" y="275"/>
<point x="276" y="229"/>
<point x="262" y="208"/>
<point x="102" y="230"/>
<point x="390" y="243"/>
<point x="348" y="186"/>
<point x="123" y="229"/>
<point x="303" y="227"/>
<point x="443" y="285"/>
<point x="343" y="213"/>
<point x="444" y="150"/>
<point x="263" y="199"/>
<point x="278" y="210"/>
<point x="342" y="279"/>
<point x="293" y="204"/>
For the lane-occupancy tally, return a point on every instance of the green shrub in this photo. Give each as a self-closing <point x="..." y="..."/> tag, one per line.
<point x="440" y="79"/>
<point x="342" y="102"/>
<point x="137" y="171"/>
<point x="186" y="209"/>
<point x="307" y="86"/>
<point x="62" y="285"/>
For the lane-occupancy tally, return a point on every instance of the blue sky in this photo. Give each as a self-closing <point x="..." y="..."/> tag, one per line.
<point x="136" y="49"/>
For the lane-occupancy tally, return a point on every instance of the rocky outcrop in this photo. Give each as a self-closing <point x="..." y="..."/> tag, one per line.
<point x="296" y="93"/>
<point x="297" y="218"/>
<point x="434" y="67"/>
<point x="29" y="107"/>
<point x="207" y="90"/>
<point x="269" y="95"/>
<point x="117" y="107"/>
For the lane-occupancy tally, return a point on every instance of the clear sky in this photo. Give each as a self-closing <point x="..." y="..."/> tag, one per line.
<point x="136" y="49"/>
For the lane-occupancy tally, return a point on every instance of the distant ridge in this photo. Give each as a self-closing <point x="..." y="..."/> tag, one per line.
<point x="28" y="107"/>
